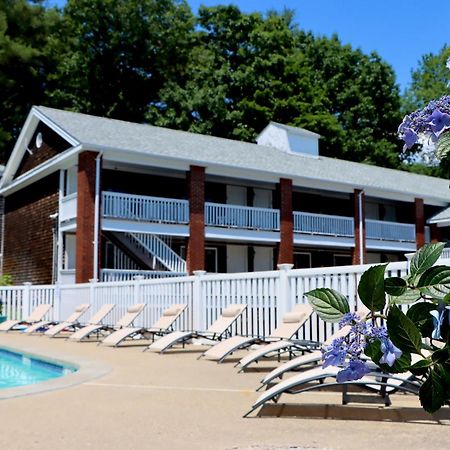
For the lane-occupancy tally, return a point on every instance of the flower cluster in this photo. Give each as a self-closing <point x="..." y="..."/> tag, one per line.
<point x="346" y="351"/>
<point x="429" y="122"/>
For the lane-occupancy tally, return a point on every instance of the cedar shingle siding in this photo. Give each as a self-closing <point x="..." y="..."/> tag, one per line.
<point x="28" y="245"/>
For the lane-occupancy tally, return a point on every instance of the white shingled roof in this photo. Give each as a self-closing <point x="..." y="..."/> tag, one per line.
<point x="96" y="132"/>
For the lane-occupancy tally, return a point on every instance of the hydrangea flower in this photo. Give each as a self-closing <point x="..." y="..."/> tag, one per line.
<point x="390" y="352"/>
<point x="438" y="319"/>
<point x="355" y="370"/>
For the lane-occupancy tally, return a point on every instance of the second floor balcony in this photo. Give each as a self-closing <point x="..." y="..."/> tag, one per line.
<point x="146" y="209"/>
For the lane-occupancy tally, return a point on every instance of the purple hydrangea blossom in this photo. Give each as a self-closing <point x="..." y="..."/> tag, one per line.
<point x="390" y="352"/>
<point x="429" y="122"/>
<point x="355" y="370"/>
<point x="335" y="354"/>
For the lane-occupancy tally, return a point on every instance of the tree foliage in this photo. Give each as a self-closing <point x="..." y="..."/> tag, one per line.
<point x="224" y="72"/>
<point x="25" y="30"/>
<point x="429" y="81"/>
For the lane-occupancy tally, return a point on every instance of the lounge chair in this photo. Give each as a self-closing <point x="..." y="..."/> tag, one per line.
<point x="49" y="325"/>
<point x="380" y="382"/>
<point x="162" y="326"/>
<point x="36" y="316"/>
<point x="72" y="323"/>
<point x="308" y="358"/>
<point x="125" y="321"/>
<point x="215" y="332"/>
<point x="291" y="323"/>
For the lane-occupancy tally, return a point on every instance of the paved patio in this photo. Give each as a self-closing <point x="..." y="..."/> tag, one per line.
<point x="173" y="401"/>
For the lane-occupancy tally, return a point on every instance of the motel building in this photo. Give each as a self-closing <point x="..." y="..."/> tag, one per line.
<point x="93" y="198"/>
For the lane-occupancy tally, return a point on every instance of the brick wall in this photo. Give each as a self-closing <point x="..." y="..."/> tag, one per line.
<point x="420" y="222"/>
<point x="196" y="242"/>
<point x="86" y="217"/>
<point x="28" y="238"/>
<point x="286" y="247"/>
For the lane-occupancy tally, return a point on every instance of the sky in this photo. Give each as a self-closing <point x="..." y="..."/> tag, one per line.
<point x="400" y="31"/>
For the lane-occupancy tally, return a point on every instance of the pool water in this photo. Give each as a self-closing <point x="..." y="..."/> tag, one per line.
<point x="18" y="369"/>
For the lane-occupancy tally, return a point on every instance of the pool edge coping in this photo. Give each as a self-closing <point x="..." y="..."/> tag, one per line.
<point x="87" y="370"/>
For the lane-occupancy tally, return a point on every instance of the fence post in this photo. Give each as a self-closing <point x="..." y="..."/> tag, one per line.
<point x="198" y="304"/>
<point x="284" y="295"/>
<point x="92" y="284"/>
<point x="26" y="299"/>
<point x="57" y="302"/>
<point x="137" y="288"/>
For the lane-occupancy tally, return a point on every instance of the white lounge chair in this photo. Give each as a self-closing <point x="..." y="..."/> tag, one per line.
<point x="290" y="325"/>
<point x="48" y="325"/>
<point x="162" y="326"/>
<point x="308" y="358"/>
<point x="36" y="316"/>
<point x="214" y="332"/>
<point x="72" y="324"/>
<point x="125" y="321"/>
<point x="377" y="381"/>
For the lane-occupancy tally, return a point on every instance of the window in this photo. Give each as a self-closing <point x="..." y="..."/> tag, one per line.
<point x="302" y="260"/>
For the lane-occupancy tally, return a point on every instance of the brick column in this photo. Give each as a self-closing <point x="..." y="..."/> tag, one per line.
<point x="286" y="247"/>
<point x="359" y="220"/>
<point x="196" y="241"/>
<point x="85" y="217"/>
<point x="419" y="214"/>
<point x="435" y="232"/>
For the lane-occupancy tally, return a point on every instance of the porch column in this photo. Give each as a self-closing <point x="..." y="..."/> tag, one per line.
<point x="419" y="211"/>
<point x="286" y="247"/>
<point x="435" y="233"/>
<point x="196" y="241"/>
<point x="85" y="234"/>
<point x="359" y="220"/>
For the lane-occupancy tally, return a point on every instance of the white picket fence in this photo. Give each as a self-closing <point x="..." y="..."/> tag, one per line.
<point x="268" y="296"/>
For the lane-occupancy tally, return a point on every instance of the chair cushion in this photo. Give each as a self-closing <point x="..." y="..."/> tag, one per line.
<point x="231" y="311"/>
<point x="80" y="308"/>
<point x="172" y="311"/>
<point x="135" y="308"/>
<point x="292" y="317"/>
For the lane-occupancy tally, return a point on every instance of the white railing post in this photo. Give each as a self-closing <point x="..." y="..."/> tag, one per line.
<point x="26" y="299"/>
<point x="57" y="302"/>
<point x="137" y="288"/>
<point x="284" y="295"/>
<point x="198" y="303"/>
<point x="92" y="293"/>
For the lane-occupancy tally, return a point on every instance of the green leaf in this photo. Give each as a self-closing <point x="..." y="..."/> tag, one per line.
<point x="410" y="296"/>
<point x="402" y="364"/>
<point x="402" y="331"/>
<point x="395" y="286"/>
<point x="420" y="367"/>
<point x="329" y="304"/>
<point x="443" y="146"/>
<point x="435" y="282"/>
<point x="371" y="288"/>
<point x="441" y="355"/>
<point x="424" y="258"/>
<point x="432" y="392"/>
<point x="420" y="315"/>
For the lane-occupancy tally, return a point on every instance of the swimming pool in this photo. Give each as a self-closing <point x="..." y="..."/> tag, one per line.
<point x="20" y="369"/>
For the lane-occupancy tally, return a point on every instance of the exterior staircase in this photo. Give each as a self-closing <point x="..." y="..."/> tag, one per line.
<point x="149" y="250"/>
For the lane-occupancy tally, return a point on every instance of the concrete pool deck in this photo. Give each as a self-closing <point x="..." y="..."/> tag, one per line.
<point x="173" y="401"/>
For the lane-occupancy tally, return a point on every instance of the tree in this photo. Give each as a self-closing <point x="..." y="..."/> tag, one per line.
<point x="248" y="69"/>
<point x="428" y="82"/>
<point x="116" y="55"/>
<point x="24" y="34"/>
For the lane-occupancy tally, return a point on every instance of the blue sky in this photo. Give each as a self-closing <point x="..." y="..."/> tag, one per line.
<point x="401" y="31"/>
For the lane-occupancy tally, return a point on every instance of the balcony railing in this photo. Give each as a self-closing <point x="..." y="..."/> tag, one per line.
<point x="68" y="208"/>
<point x="167" y="210"/>
<point x="323" y="224"/>
<point x="390" y="231"/>
<point x="148" y="209"/>
<point x="222" y="215"/>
